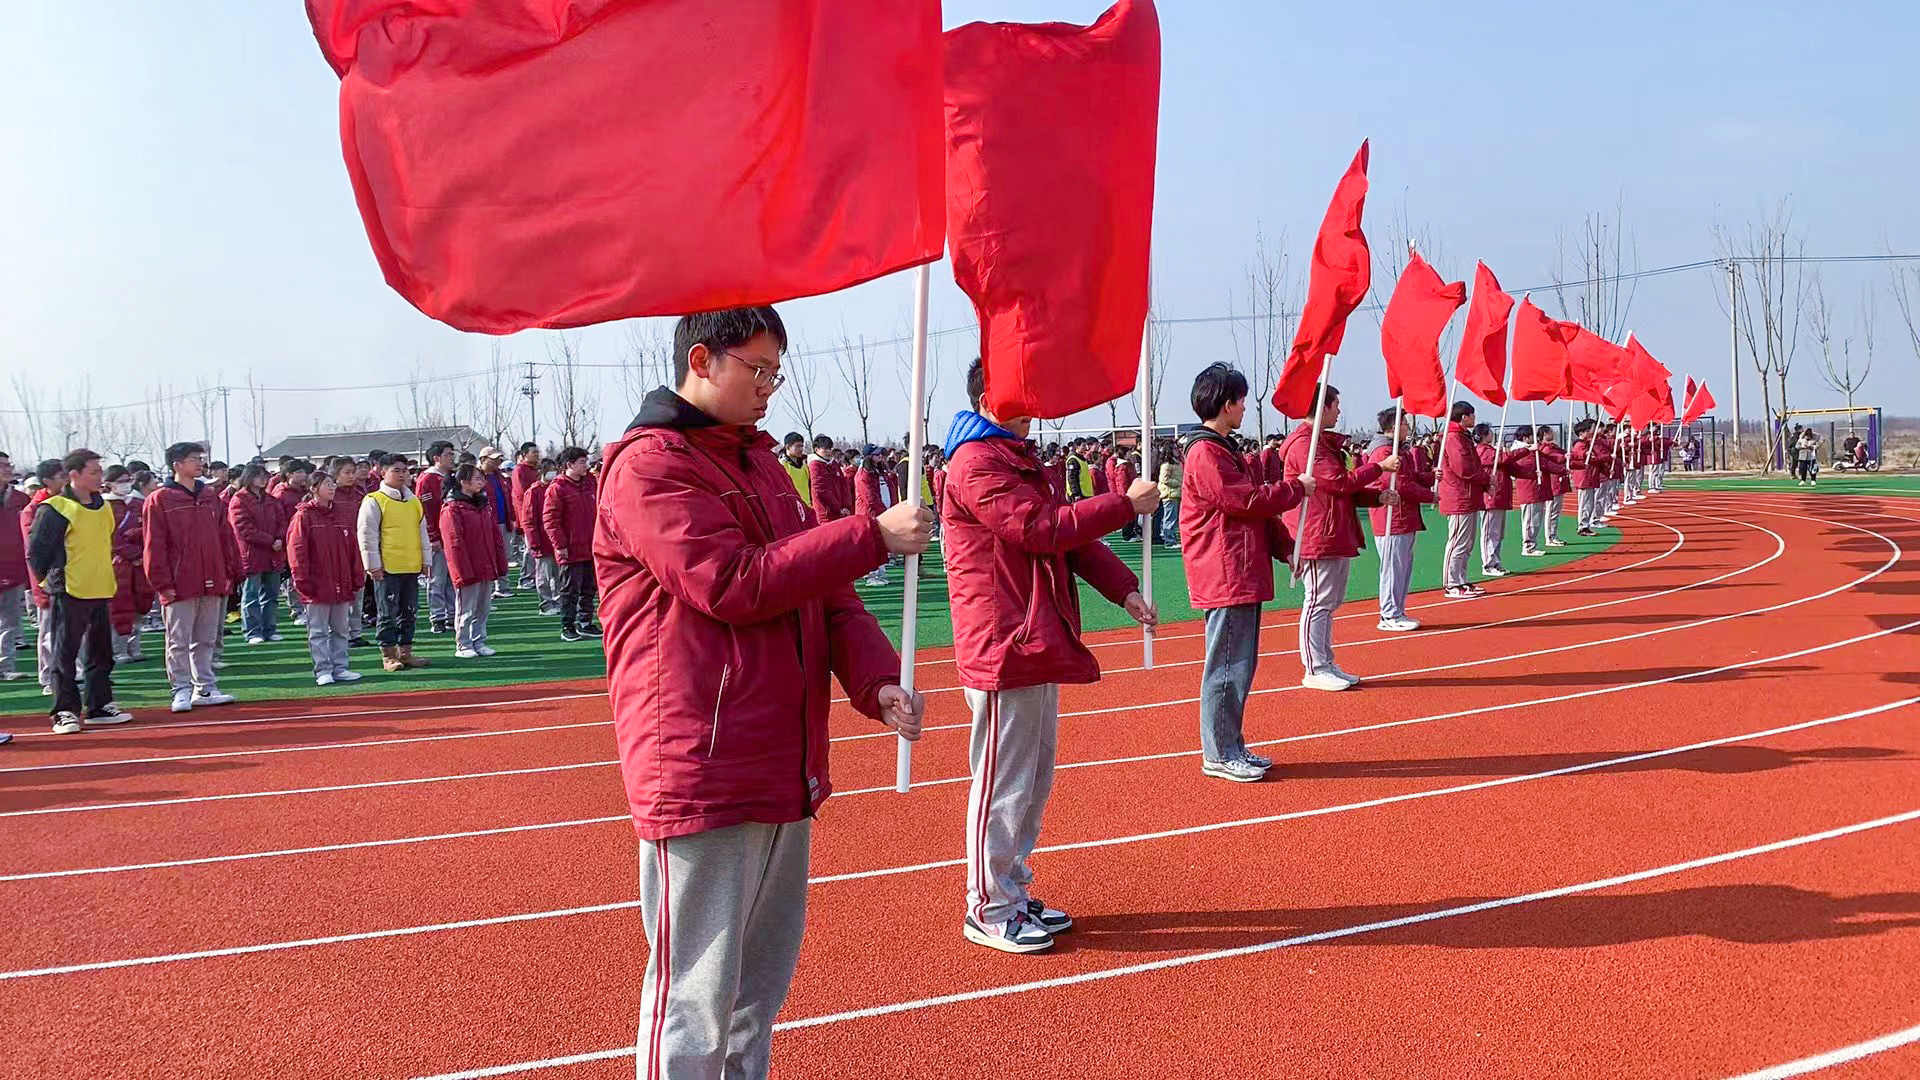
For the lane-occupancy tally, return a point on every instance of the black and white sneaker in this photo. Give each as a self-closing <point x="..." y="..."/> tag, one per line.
<point x="1019" y="934"/>
<point x="591" y="629"/>
<point x="1257" y="760"/>
<point x="568" y="633"/>
<point x="66" y="723"/>
<point x="1052" y="920"/>
<point x="110" y="713"/>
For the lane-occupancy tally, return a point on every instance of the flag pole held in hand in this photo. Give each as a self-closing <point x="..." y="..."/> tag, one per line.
<point x="916" y="452"/>
<point x="1146" y="473"/>
<point x="1313" y="444"/>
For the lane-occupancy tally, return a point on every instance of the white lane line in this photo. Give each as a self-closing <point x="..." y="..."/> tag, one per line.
<point x="498" y="920"/>
<point x="884" y="734"/>
<point x="395" y="710"/>
<point x="1212" y="955"/>
<point x="1828" y="1060"/>
<point x="79" y="872"/>
<point x="1891" y="560"/>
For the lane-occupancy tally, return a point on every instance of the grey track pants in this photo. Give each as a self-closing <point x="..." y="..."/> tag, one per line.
<point x="440" y="587"/>
<point x="192" y="631"/>
<point x="1459" y="547"/>
<point x="471" y="606"/>
<point x="1323" y="585"/>
<point x="1589" y="507"/>
<point x="329" y="626"/>
<point x="1493" y="530"/>
<point x="1015" y="736"/>
<point x="724" y="912"/>
<point x="12" y="616"/>
<point x="1396" y="573"/>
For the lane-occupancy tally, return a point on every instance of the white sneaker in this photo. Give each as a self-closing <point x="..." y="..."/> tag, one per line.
<point x="67" y="723"/>
<point x="1341" y="673"/>
<point x="1324" y="680"/>
<point x="1493" y="572"/>
<point x="485" y="650"/>
<point x="1460" y="592"/>
<point x="1017" y="935"/>
<point x="1532" y="553"/>
<point x="1556" y="543"/>
<point x="212" y="697"/>
<point x="1398" y="626"/>
<point x="183" y="699"/>
<point x="256" y="641"/>
<point x="325" y="679"/>
<point x="1237" y="770"/>
<point x="466" y="654"/>
<point x="346" y="676"/>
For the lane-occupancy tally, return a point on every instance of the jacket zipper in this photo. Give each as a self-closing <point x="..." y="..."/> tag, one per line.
<point x="713" y="741"/>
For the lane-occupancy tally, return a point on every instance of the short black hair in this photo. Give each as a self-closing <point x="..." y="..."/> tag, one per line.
<point x="526" y="446"/>
<point x="1387" y="418"/>
<point x="252" y="470"/>
<point x="1481" y="431"/>
<point x="792" y="438"/>
<point x="1217" y="386"/>
<point x="1583" y="425"/>
<point x="217" y="465"/>
<point x="721" y="330"/>
<point x="976" y="382"/>
<point x="388" y="461"/>
<point x="823" y="442"/>
<point x="77" y="460"/>
<point x="49" y="469"/>
<point x="136" y="465"/>
<point x="570" y="455"/>
<point x="465" y="472"/>
<point x="181" y="451"/>
<point x="300" y="466"/>
<point x="1461" y="410"/>
<point x="1543" y="431"/>
<point x="115" y="472"/>
<point x="141" y="478"/>
<point x="439" y="446"/>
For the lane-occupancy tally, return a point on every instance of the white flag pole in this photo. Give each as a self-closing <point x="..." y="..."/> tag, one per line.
<point x="916" y="454"/>
<point x="1146" y="473"/>
<point x="1393" y="482"/>
<point x="1313" y="445"/>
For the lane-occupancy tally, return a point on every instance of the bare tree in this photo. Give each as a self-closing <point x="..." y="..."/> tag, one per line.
<point x="1842" y="378"/>
<point x="1906" y="297"/>
<point x="645" y="363"/>
<point x="491" y="398"/>
<point x="256" y="413"/>
<point x="1159" y="352"/>
<point x="855" y="361"/>
<point x="903" y="373"/>
<point x="1271" y="294"/>
<point x="206" y="401"/>
<point x="1768" y="306"/>
<point x="806" y="394"/>
<point x="1592" y="282"/>
<point x="32" y="399"/>
<point x="422" y="406"/>
<point x="576" y="409"/>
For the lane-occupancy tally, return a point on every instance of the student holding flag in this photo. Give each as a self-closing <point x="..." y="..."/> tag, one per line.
<point x="1395" y="527"/>
<point x="1462" y="480"/>
<point x="1503" y="466"/>
<point x="1588" y="462"/>
<point x="1534" y="491"/>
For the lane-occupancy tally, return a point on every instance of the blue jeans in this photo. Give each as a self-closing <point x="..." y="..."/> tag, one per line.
<point x="1233" y="652"/>
<point x="260" y="604"/>
<point x="1170" y="521"/>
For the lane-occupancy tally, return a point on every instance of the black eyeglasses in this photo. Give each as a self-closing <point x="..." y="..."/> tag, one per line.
<point x="763" y="377"/>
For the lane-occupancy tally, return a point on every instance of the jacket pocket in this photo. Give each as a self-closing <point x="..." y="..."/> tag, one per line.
<point x="719" y="703"/>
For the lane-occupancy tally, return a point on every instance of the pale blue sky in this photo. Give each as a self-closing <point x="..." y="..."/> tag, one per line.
<point x="175" y="202"/>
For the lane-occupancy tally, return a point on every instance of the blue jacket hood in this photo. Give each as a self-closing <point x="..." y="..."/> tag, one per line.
<point x="969" y="426"/>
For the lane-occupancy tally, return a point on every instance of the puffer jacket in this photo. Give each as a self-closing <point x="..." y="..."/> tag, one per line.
<point x="568" y="512"/>
<point x="258" y="523"/>
<point x="727" y="609"/>
<point x="1012" y="551"/>
<point x="533" y="503"/>
<point x="13" y="538"/>
<point x="323" y="552"/>
<point x="1230" y="531"/>
<point x="470" y="537"/>
<point x="1415" y="487"/>
<point x="1332" y="525"/>
<point x="1463" y="476"/>
<point x="1540" y="483"/>
<point x="1502" y="467"/>
<point x="190" y="549"/>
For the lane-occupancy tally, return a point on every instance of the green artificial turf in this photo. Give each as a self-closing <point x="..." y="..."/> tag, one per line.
<point x="1837" y="483"/>
<point x="530" y="649"/>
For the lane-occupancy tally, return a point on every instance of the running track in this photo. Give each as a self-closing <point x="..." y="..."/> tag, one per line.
<point x="1653" y="813"/>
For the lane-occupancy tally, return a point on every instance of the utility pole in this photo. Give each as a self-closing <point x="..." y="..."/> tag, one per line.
<point x="226" y="422"/>
<point x="530" y="391"/>
<point x="1733" y="319"/>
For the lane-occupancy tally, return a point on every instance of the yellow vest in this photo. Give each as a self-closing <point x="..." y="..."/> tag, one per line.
<point x="802" y="482"/>
<point x="399" y="533"/>
<point x="89" y="571"/>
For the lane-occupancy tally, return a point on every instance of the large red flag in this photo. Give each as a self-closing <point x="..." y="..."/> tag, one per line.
<point x="1540" y="369"/>
<point x="1337" y="281"/>
<point x="1051" y="133"/>
<point x="1593" y="364"/>
<point x="1646" y="372"/>
<point x="526" y="163"/>
<point x="1482" y="364"/>
<point x="1698" y="403"/>
<point x="1410" y="337"/>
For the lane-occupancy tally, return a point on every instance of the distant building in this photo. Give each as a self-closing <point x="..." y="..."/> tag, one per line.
<point x="412" y="442"/>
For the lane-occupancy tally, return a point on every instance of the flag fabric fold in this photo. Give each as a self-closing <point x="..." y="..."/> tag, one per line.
<point x="1338" y="278"/>
<point x="522" y="163"/>
<point x="1593" y="364"/>
<point x="1698" y="402"/>
<point x="1540" y="367"/>
<point x="1410" y="337"/>
<point x="1052" y="133"/>
<point x="1481" y="366"/>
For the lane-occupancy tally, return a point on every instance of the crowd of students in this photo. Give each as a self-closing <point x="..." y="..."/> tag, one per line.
<point x="109" y="554"/>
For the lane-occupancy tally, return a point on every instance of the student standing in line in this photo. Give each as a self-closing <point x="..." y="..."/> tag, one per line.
<point x="13" y="570"/>
<point x="1395" y="527"/>
<point x="193" y="564"/>
<point x="1231" y="521"/>
<point x="52" y="478"/>
<point x="323" y="556"/>
<point x="132" y="597"/>
<point x="1326" y="529"/>
<point x="728" y="611"/>
<point x="793" y="458"/>
<point x="71" y="554"/>
<point x="826" y="483"/>
<point x="299" y="481"/>
<point x="261" y="533"/>
<point x="1534" y="494"/>
<point x="347" y="497"/>
<point x="1588" y="463"/>
<point x="1462" y="480"/>
<point x="868" y="501"/>
<point x="1012" y="552"/>
<point x="394" y="548"/>
<point x="568" y="513"/>
<point x="431" y="489"/>
<point x="1506" y="464"/>
<point x="474" y="560"/>
<point x="546" y="572"/>
<point x="494" y="489"/>
<point x="526" y="473"/>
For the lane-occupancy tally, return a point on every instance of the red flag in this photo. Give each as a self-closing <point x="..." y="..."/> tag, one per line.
<point x="1410" y="337"/>
<point x="1698" y="403"/>
<point x="1337" y="281"/>
<point x="525" y="163"/>
<point x="1540" y="368"/>
<point x="1051" y="136"/>
<point x="1646" y="372"/>
<point x="1617" y="397"/>
<point x="1482" y="364"/>
<point x="1593" y="363"/>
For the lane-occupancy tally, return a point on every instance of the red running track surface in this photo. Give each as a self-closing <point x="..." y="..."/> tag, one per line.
<point x="1653" y="813"/>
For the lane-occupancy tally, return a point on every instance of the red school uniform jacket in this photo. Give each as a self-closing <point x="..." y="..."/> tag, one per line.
<point x="1547" y="467"/>
<point x="868" y="499"/>
<point x="323" y="552"/>
<point x="1502" y="467"/>
<point x="1230" y="531"/>
<point x="1415" y="487"/>
<point x="568" y="514"/>
<point x="1331" y="528"/>
<point x="470" y="537"/>
<point x="258" y="521"/>
<point x="431" y="489"/>
<point x="13" y="538"/>
<point x="532" y="505"/>
<point x="190" y="547"/>
<point x="1463" y="475"/>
